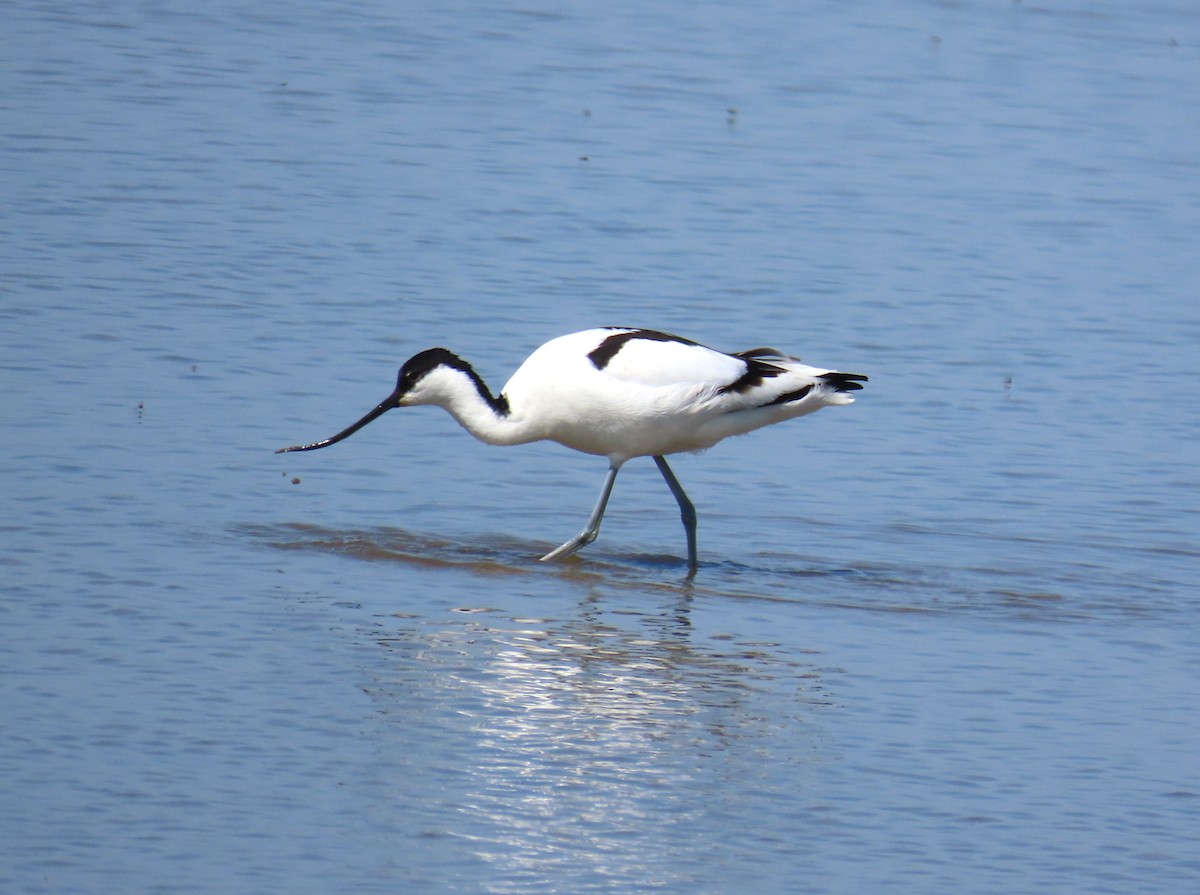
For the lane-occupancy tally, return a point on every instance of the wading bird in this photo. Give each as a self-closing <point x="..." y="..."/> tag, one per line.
<point x="619" y="393"/>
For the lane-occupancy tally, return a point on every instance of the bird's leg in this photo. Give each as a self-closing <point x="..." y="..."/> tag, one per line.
<point x="592" y="529"/>
<point x="686" y="511"/>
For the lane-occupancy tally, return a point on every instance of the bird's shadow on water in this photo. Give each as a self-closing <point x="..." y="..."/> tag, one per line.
<point x="776" y="579"/>
<point x="493" y="555"/>
<point x="389" y="544"/>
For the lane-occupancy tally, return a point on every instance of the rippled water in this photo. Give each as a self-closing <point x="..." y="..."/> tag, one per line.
<point x="941" y="641"/>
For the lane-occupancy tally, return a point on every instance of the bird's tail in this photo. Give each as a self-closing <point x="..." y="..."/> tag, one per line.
<point x="842" y="384"/>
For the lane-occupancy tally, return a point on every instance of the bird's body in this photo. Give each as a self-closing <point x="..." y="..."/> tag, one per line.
<point x="620" y="393"/>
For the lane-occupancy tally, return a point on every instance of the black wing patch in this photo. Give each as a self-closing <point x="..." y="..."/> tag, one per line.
<point x="757" y="372"/>
<point x="790" y="396"/>
<point x="603" y="353"/>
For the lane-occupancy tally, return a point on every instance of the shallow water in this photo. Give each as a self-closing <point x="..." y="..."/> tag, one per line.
<point x="943" y="640"/>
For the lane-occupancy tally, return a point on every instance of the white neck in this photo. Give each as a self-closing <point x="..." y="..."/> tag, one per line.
<point x="466" y="398"/>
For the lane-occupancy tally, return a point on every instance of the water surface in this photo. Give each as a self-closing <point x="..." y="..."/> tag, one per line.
<point x="943" y="640"/>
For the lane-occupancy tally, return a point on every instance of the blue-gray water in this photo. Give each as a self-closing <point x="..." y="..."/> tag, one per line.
<point x="942" y="641"/>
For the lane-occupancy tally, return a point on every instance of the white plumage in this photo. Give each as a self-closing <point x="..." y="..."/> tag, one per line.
<point x="620" y="393"/>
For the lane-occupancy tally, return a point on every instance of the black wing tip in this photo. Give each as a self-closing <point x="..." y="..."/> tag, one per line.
<point x="845" y="382"/>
